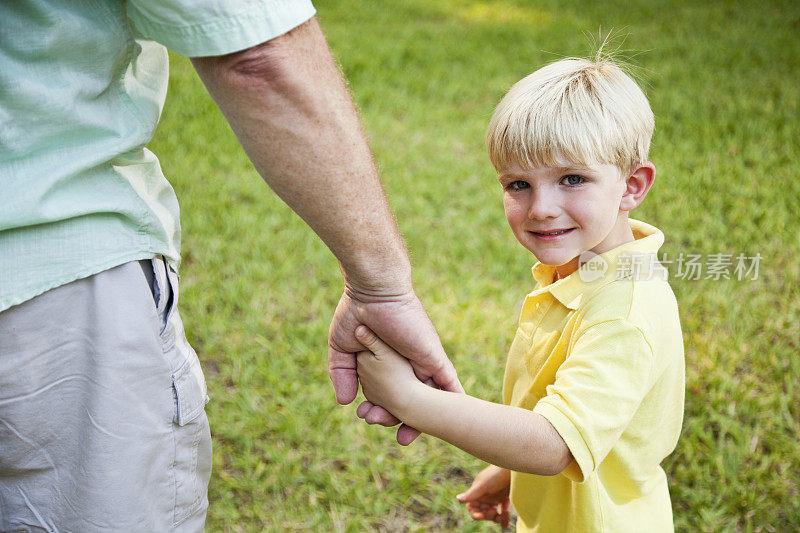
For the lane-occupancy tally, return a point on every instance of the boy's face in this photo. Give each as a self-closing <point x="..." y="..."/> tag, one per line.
<point x="560" y="212"/>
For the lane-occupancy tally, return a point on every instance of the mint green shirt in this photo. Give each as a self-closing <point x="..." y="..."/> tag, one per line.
<point x="82" y="85"/>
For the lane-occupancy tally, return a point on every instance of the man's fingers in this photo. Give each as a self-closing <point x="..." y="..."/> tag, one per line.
<point x="342" y="371"/>
<point x="406" y="435"/>
<point x="447" y="378"/>
<point x="375" y="414"/>
<point x="363" y="408"/>
<point x="379" y="415"/>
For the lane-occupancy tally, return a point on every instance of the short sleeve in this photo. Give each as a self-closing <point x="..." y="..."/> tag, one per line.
<point x="597" y="391"/>
<point x="215" y="27"/>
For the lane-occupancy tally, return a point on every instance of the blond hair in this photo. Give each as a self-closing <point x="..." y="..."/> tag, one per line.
<point x="579" y="110"/>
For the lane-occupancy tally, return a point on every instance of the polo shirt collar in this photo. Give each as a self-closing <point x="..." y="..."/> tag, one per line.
<point x="620" y="262"/>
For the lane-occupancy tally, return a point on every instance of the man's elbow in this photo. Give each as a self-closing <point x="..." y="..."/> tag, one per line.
<point x="255" y="66"/>
<point x="274" y="62"/>
<point x="266" y="61"/>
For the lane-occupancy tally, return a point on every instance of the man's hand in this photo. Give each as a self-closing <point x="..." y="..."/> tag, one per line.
<point x="487" y="498"/>
<point x="401" y="322"/>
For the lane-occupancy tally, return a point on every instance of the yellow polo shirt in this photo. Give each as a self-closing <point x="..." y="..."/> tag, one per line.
<point x="600" y="355"/>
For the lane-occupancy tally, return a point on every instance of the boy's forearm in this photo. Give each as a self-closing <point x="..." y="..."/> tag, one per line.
<point x="509" y="437"/>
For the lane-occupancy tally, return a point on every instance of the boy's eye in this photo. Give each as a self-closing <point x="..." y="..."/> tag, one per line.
<point x="517" y="185"/>
<point x="573" y="179"/>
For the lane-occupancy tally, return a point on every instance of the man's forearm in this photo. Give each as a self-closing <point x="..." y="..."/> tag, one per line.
<point x="509" y="437"/>
<point x="290" y="109"/>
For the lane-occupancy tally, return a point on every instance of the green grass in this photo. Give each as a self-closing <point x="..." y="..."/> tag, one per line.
<point x="259" y="288"/>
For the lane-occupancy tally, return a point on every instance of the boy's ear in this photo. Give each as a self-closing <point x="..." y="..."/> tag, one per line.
<point x="638" y="183"/>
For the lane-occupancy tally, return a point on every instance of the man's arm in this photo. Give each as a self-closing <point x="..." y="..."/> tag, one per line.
<point x="289" y="107"/>
<point x="506" y="436"/>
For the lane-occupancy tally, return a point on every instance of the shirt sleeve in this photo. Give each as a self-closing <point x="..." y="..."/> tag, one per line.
<point x="215" y="27"/>
<point x="597" y="391"/>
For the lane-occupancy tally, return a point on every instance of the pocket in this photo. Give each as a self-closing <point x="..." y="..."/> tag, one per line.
<point x="192" y="436"/>
<point x="189" y="385"/>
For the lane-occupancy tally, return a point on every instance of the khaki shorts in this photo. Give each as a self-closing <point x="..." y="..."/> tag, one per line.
<point x="102" y="419"/>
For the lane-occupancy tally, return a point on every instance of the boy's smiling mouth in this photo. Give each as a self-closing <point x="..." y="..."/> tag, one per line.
<point x="552" y="233"/>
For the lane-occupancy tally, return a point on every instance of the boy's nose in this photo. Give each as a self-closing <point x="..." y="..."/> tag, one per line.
<point x="543" y="206"/>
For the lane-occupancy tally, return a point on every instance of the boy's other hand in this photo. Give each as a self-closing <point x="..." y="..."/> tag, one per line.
<point x="487" y="498"/>
<point x="401" y="322"/>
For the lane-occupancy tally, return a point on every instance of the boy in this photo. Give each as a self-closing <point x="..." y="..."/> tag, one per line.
<point x="594" y="383"/>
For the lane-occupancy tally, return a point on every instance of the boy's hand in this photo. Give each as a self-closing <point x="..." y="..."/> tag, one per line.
<point x="387" y="378"/>
<point x="487" y="498"/>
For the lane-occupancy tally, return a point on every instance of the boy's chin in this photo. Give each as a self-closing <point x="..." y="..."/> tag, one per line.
<point x="556" y="262"/>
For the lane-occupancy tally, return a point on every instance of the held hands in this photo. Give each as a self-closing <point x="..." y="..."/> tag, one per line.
<point x="487" y="498"/>
<point x="387" y="378"/>
<point x="401" y="322"/>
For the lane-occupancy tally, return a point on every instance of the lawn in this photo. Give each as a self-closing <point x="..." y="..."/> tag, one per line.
<point x="259" y="288"/>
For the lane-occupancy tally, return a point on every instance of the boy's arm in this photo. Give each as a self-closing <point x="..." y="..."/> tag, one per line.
<point x="509" y="437"/>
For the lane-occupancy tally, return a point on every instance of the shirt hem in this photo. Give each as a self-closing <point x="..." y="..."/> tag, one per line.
<point x="8" y="303"/>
